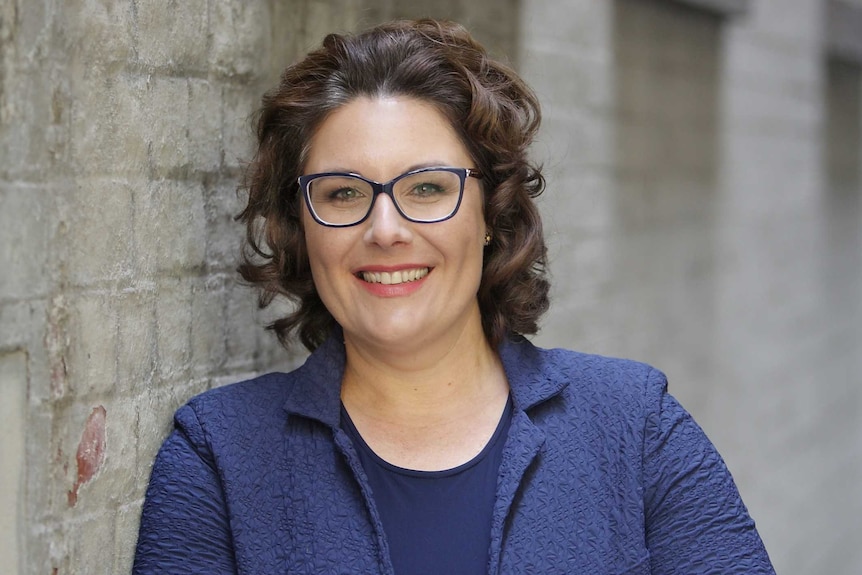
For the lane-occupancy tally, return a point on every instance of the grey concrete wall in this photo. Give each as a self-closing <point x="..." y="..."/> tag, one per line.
<point x="792" y="309"/>
<point x="695" y="225"/>
<point x="701" y="210"/>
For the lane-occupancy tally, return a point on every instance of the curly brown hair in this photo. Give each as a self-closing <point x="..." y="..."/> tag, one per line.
<point x="495" y="114"/>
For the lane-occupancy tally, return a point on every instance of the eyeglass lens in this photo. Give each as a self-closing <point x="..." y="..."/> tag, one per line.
<point x="425" y="196"/>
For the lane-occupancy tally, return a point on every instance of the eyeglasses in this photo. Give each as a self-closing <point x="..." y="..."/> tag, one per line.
<point x="425" y="196"/>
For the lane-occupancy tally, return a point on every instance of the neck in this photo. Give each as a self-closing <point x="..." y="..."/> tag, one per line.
<point x="418" y="387"/>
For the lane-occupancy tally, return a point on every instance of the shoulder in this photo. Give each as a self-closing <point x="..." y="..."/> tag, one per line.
<point x="254" y="395"/>
<point x="583" y="378"/>
<point x="608" y="374"/>
<point x="233" y="411"/>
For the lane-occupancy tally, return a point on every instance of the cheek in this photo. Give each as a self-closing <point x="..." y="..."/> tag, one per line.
<point x="315" y="238"/>
<point x="313" y="249"/>
<point x="320" y="260"/>
<point x="327" y="251"/>
<point x="316" y="250"/>
<point x="321" y="267"/>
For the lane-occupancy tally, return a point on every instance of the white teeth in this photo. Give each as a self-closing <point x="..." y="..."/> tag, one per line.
<point x="392" y="278"/>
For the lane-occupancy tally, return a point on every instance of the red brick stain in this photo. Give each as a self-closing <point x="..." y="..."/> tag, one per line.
<point x="57" y="343"/>
<point x="91" y="451"/>
<point x="58" y="377"/>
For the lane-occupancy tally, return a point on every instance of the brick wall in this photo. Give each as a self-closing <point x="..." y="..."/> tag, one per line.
<point x="123" y="129"/>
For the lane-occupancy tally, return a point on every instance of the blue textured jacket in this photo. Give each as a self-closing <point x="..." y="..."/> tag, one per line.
<point x="603" y="473"/>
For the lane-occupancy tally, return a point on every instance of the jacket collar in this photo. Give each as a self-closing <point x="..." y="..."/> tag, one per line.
<point x="534" y="375"/>
<point x="315" y="388"/>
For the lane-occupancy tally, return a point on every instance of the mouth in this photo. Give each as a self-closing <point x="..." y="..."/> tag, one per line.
<point x="394" y="278"/>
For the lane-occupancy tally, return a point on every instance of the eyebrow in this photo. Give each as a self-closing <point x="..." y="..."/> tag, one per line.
<point x="343" y="170"/>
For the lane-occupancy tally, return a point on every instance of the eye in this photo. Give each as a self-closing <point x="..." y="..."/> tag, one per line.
<point x="426" y="189"/>
<point x="343" y="194"/>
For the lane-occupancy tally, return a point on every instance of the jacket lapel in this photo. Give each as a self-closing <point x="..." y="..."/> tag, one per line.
<point x="531" y="384"/>
<point x="522" y="446"/>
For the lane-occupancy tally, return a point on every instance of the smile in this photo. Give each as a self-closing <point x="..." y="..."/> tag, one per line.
<point x="393" y="278"/>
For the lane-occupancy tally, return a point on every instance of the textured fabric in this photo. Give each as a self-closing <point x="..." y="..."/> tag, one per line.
<point x="602" y="473"/>
<point x="436" y="521"/>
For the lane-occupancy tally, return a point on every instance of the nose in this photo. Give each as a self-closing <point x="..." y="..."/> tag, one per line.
<point x="385" y="226"/>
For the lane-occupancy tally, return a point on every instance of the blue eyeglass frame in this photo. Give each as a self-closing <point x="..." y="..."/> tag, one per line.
<point x="386" y="188"/>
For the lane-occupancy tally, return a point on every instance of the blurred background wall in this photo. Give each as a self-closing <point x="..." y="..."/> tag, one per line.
<point x="704" y="214"/>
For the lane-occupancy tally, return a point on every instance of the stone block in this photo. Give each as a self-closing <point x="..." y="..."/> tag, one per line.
<point x="45" y="491"/>
<point x="567" y="79"/>
<point x="205" y="119"/>
<point x="155" y="422"/>
<point x="797" y="22"/>
<point x="45" y="551"/>
<point x="173" y="329"/>
<point x="575" y="140"/>
<point x="126" y="534"/>
<point x="109" y="130"/>
<point x="288" y="40"/>
<point x="169" y="226"/>
<point x="581" y="25"/>
<point x="23" y="326"/>
<point x="100" y="33"/>
<point x="209" y="325"/>
<point x="495" y="24"/>
<point x="246" y="329"/>
<point x="26" y="217"/>
<point x="757" y="63"/>
<point x="224" y="235"/>
<point x="238" y="38"/>
<point x="89" y="541"/>
<point x="15" y="324"/>
<point x="581" y="270"/>
<point x="173" y="36"/>
<point x="166" y="127"/>
<point x="34" y="131"/>
<point x="323" y="17"/>
<point x="775" y="113"/>
<point x="94" y="239"/>
<point x="137" y="349"/>
<point x="13" y="429"/>
<point x="57" y="340"/>
<point x="92" y="361"/>
<point x="240" y="102"/>
<point x="578" y="204"/>
<point x="32" y="25"/>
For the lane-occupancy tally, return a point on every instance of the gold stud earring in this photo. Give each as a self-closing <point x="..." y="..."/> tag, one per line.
<point x="487" y="238"/>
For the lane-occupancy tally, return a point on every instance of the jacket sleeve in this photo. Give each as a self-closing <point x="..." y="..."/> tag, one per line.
<point x="184" y="522"/>
<point x="696" y="522"/>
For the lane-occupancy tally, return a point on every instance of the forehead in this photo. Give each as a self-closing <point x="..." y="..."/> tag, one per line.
<point x="383" y="137"/>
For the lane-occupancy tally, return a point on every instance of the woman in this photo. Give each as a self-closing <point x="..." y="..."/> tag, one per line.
<point x="391" y="200"/>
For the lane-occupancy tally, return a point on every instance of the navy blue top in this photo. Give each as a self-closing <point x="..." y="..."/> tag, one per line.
<point x="436" y="521"/>
<point x="602" y="472"/>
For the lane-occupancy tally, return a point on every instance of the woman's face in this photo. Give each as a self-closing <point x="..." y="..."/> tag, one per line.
<point x="380" y="139"/>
